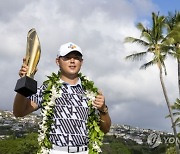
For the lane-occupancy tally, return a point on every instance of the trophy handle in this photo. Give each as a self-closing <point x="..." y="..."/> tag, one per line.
<point x="33" y="52"/>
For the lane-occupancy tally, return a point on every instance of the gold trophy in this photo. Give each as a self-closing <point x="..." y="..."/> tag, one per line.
<point x="26" y="85"/>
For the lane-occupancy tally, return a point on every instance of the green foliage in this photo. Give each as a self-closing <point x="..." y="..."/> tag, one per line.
<point x="171" y="150"/>
<point x="116" y="148"/>
<point x="25" y="145"/>
<point x="113" y="145"/>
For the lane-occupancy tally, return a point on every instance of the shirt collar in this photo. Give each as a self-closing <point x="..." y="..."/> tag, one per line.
<point x="65" y="83"/>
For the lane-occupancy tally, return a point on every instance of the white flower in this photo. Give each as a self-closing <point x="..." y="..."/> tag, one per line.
<point x="46" y="108"/>
<point x="44" y="151"/>
<point x="91" y="95"/>
<point x="55" y="94"/>
<point x="60" y="81"/>
<point x="96" y="147"/>
<point x="41" y="137"/>
<point x="87" y="78"/>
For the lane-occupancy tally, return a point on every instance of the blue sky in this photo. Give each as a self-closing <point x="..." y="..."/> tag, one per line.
<point x="134" y="96"/>
<point x="164" y="6"/>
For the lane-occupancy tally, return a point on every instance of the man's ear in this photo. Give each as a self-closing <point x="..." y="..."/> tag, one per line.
<point x="57" y="61"/>
<point x="81" y="62"/>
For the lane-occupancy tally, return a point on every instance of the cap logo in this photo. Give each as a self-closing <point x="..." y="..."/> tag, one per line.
<point x="71" y="46"/>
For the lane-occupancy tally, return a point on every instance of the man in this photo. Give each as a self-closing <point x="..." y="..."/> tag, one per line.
<point x="71" y="112"/>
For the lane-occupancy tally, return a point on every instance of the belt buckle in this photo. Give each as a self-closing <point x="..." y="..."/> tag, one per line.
<point x="73" y="149"/>
<point x="77" y="149"/>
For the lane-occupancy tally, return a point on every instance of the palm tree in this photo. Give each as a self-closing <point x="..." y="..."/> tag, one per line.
<point x="173" y="38"/>
<point x="152" y="40"/>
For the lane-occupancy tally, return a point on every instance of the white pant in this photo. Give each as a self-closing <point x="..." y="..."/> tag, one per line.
<point x="52" y="151"/>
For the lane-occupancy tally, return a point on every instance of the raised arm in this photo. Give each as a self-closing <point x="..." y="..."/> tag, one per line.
<point x="22" y="105"/>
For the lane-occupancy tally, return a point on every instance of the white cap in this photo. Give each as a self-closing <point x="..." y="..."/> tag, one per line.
<point x="67" y="48"/>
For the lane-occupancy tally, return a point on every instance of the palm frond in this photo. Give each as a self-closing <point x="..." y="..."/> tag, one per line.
<point x="168" y="40"/>
<point x="140" y="26"/>
<point x="166" y="48"/>
<point x="135" y="40"/>
<point x="172" y="19"/>
<point x="176" y="113"/>
<point x="158" y="25"/>
<point x="151" y="49"/>
<point x="176" y="105"/>
<point x="146" y="65"/>
<point x="172" y="54"/>
<point x="136" y="56"/>
<point x="147" y="36"/>
<point x="177" y="121"/>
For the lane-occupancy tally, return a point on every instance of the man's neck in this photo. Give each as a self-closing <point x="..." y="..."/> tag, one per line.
<point x="70" y="80"/>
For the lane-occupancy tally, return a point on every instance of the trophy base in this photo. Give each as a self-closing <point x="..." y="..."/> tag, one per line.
<point x="26" y="86"/>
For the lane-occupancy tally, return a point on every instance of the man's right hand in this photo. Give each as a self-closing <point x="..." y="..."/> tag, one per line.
<point x="24" y="68"/>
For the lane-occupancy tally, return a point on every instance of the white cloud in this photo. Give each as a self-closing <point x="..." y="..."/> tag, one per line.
<point x="99" y="27"/>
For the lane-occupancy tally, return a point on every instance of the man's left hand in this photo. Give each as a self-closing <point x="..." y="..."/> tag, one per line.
<point x="99" y="101"/>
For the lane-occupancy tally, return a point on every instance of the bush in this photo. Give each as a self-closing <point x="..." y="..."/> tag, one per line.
<point x="25" y="145"/>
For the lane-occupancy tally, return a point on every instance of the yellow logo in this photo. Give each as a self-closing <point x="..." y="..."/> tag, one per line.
<point x="71" y="46"/>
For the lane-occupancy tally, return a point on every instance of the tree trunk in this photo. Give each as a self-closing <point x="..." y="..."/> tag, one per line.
<point x="169" y="108"/>
<point x="178" y="75"/>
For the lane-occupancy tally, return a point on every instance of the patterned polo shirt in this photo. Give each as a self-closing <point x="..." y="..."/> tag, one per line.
<point x="70" y="115"/>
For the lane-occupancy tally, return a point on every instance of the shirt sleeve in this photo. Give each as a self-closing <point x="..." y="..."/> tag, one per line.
<point x="38" y="97"/>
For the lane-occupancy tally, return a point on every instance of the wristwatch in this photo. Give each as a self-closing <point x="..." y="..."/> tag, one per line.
<point x="104" y="111"/>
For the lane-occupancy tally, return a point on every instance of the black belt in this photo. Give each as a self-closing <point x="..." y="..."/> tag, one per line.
<point x="71" y="149"/>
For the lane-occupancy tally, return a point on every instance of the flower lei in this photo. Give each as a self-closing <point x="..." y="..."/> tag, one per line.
<point x="95" y="135"/>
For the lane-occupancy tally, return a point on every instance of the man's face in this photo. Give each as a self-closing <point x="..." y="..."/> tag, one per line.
<point x="70" y="64"/>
